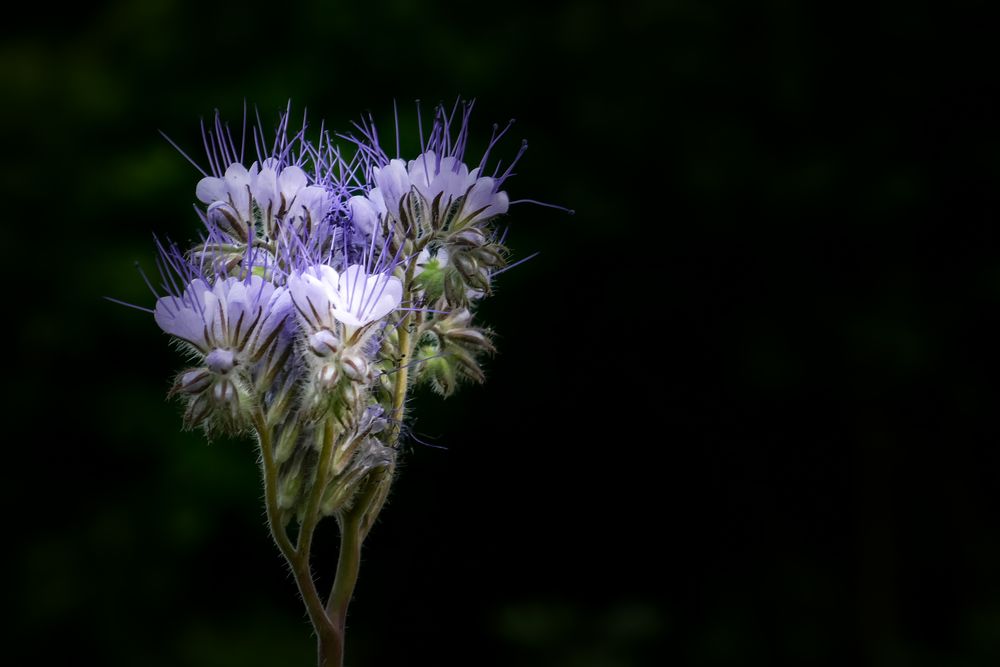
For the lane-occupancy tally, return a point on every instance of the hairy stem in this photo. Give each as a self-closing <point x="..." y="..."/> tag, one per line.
<point x="297" y="560"/>
<point x="348" y="564"/>
<point x="311" y="518"/>
<point x="405" y="352"/>
<point x="329" y="620"/>
<point x="352" y="536"/>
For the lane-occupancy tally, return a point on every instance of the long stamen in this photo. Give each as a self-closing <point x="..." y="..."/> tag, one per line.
<point x="395" y="117"/>
<point x="185" y="155"/>
<point x="517" y="263"/>
<point x="493" y="141"/>
<point x="130" y="305"/>
<point x="545" y="204"/>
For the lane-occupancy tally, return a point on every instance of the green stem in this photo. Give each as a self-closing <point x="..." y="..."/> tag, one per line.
<point x="352" y="536"/>
<point x="348" y="565"/>
<point x="311" y="518"/>
<point x="405" y="352"/>
<point x="330" y="647"/>
<point x="297" y="560"/>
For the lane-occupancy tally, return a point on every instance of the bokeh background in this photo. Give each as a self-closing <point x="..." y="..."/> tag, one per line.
<point x="744" y="410"/>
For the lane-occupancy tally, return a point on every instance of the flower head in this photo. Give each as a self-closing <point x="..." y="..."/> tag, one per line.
<point x="438" y="187"/>
<point x="280" y="194"/>
<point x="445" y="180"/>
<point x="354" y="298"/>
<point x="235" y="321"/>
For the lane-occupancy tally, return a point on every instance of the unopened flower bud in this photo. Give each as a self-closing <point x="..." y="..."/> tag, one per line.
<point x="351" y="393"/>
<point x="471" y="338"/>
<point x="489" y="255"/>
<point x="471" y="236"/>
<point x="224" y="392"/>
<point x="454" y="288"/>
<point x="193" y="381"/>
<point x="335" y="497"/>
<point x="220" y="361"/>
<point x="355" y="366"/>
<point x="466" y="264"/>
<point x="466" y="363"/>
<point x="328" y="375"/>
<point x="287" y="441"/>
<point x="323" y="343"/>
<point x="480" y="280"/>
<point x="225" y="217"/>
<point x="197" y="410"/>
<point x="442" y="376"/>
<point x="457" y="319"/>
<point x="290" y="482"/>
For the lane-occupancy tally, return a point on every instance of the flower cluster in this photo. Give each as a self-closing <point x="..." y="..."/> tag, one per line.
<point x="329" y="281"/>
<point x="326" y="284"/>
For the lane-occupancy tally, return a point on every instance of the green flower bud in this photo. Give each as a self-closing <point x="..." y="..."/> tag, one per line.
<point x="287" y="440"/>
<point x="471" y="236"/>
<point x="442" y="376"/>
<point x="466" y="264"/>
<point x="290" y="482"/>
<point x="473" y="338"/>
<point x="454" y="288"/>
<point x="489" y="255"/>
<point x="466" y="363"/>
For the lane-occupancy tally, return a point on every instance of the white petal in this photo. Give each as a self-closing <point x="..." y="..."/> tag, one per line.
<point x="237" y="175"/>
<point x="352" y="288"/>
<point x="481" y="196"/>
<point x="329" y="276"/>
<point x="264" y="187"/>
<point x="291" y="180"/>
<point x="237" y="184"/>
<point x="363" y="214"/>
<point x="392" y="295"/>
<point x="277" y="310"/>
<point x="213" y="315"/>
<point x="394" y="183"/>
<point x="314" y="200"/>
<point x="311" y="292"/>
<point x="181" y="321"/>
<point x="348" y="318"/>
<point x="377" y="200"/>
<point x="210" y="190"/>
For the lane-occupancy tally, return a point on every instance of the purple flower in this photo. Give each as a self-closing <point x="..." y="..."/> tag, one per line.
<point x="231" y="323"/>
<point x="366" y="212"/>
<point x="280" y="194"/>
<point x="355" y="298"/>
<point x="431" y="177"/>
<point x="439" y="174"/>
<point x="233" y="189"/>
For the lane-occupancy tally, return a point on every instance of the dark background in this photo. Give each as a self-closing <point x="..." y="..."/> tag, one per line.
<point x="744" y="409"/>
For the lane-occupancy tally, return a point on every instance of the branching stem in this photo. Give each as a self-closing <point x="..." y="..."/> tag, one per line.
<point x="329" y="620"/>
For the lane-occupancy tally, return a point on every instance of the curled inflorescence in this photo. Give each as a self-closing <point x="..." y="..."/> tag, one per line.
<point x="328" y="281"/>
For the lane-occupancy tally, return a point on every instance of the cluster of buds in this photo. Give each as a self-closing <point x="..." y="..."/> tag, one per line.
<point x="325" y="287"/>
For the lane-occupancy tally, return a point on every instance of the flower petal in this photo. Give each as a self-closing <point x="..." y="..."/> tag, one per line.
<point x="211" y="189"/>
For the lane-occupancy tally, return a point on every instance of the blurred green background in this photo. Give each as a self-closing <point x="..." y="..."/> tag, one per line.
<point x="744" y="409"/>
